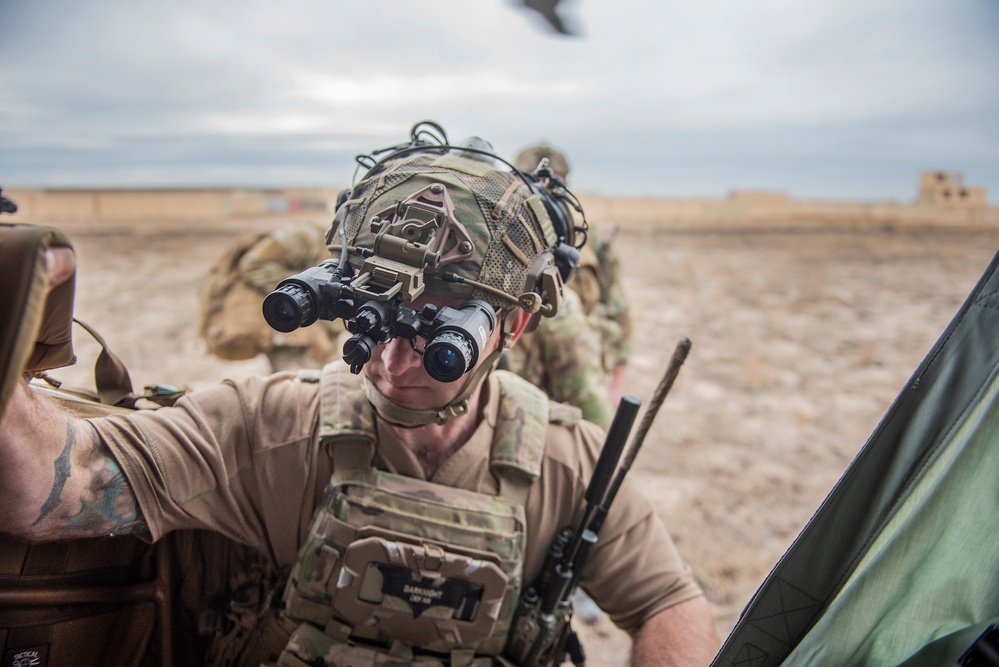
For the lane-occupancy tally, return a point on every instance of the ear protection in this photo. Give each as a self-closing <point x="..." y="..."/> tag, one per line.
<point x="557" y="201"/>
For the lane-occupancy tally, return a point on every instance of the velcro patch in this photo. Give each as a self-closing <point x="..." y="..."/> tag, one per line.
<point x="32" y="656"/>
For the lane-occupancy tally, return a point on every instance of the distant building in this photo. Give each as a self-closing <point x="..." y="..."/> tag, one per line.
<point x="760" y="198"/>
<point x="947" y="189"/>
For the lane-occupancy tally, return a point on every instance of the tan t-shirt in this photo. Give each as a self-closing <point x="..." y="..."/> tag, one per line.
<point x="243" y="459"/>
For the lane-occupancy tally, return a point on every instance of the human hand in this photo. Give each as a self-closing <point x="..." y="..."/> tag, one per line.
<point x="60" y="264"/>
<point x="616" y="385"/>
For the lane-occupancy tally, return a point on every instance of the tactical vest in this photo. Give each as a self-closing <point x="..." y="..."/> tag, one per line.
<point x="399" y="571"/>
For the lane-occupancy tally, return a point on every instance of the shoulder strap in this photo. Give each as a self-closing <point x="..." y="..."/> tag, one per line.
<point x="114" y="386"/>
<point x="346" y="419"/>
<point x="521" y="433"/>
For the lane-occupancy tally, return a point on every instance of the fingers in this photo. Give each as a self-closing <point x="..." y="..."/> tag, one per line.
<point x="60" y="263"/>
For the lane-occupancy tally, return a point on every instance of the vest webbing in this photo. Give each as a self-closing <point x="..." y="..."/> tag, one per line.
<point x="347" y="428"/>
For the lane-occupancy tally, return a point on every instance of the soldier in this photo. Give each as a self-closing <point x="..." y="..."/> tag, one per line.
<point x="597" y="281"/>
<point x="562" y="357"/>
<point x="230" y="320"/>
<point x="445" y="481"/>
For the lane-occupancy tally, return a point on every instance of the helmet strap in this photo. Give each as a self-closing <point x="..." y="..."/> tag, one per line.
<point x="403" y="417"/>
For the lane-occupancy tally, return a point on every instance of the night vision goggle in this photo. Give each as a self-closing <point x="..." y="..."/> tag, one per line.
<point x="454" y="336"/>
<point x="417" y="235"/>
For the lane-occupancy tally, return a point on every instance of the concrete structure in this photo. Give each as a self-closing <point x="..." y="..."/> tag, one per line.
<point x="947" y="189"/>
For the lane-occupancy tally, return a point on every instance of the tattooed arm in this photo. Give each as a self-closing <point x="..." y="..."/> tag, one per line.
<point x="57" y="480"/>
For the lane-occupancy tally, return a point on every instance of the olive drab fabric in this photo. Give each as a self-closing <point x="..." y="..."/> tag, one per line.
<point x="35" y="323"/>
<point x="409" y="564"/>
<point x="900" y="564"/>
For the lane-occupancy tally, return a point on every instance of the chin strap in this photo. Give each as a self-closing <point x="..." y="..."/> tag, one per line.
<point x="398" y="415"/>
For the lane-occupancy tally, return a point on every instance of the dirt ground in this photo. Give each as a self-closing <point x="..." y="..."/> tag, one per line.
<point x="801" y="341"/>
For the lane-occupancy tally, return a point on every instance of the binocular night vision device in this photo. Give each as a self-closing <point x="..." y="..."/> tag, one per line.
<point x="454" y="336"/>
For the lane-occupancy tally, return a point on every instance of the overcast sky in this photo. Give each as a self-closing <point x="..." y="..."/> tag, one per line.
<point x="824" y="99"/>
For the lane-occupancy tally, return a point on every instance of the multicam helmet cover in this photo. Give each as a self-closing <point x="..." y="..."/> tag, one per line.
<point x="470" y="229"/>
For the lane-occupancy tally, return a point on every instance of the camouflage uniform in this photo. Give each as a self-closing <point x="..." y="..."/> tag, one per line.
<point x="232" y="324"/>
<point x="286" y="250"/>
<point x="388" y="560"/>
<point x="580" y="360"/>
<point x="598" y="282"/>
<point x="561" y="357"/>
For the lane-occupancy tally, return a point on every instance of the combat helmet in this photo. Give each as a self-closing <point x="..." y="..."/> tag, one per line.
<point x="480" y="231"/>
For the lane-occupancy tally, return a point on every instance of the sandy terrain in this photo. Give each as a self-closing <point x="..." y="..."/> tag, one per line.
<point x="800" y="343"/>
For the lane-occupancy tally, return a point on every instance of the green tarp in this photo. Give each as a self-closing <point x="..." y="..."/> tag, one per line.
<point x="900" y="564"/>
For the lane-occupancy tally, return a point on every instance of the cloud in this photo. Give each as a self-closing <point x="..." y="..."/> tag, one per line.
<point x="204" y="92"/>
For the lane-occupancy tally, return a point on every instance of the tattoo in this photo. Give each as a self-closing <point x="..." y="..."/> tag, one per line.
<point x="62" y="473"/>
<point x="108" y="505"/>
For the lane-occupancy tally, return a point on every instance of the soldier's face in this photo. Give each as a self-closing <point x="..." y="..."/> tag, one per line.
<point x="397" y="369"/>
